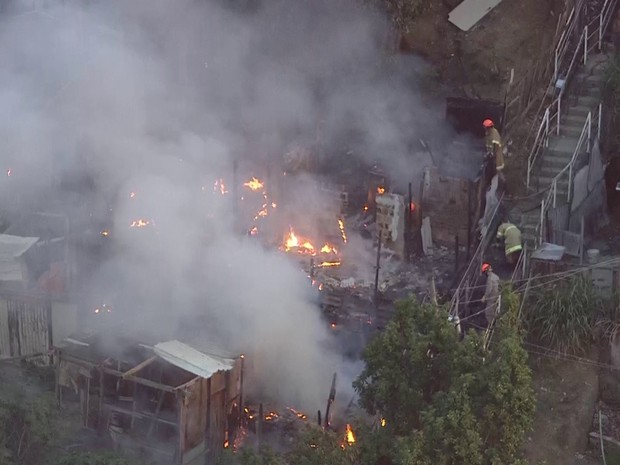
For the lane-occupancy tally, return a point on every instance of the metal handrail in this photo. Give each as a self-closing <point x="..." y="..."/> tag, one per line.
<point x="551" y="198"/>
<point x="542" y="140"/>
<point x="586" y="130"/>
<point x="590" y="39"/>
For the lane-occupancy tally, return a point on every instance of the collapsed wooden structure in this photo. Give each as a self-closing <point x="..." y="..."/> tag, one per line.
<point x="166" y="402"/>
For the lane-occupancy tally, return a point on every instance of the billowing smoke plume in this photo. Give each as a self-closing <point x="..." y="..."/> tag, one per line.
<point x="134" y="109"/>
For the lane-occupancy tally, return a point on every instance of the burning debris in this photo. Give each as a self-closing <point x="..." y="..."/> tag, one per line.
<point x="254" y="184"/>
<point x="140" y="223"/>
<point x="349" y="436"/>
<point x="220" y="187"/>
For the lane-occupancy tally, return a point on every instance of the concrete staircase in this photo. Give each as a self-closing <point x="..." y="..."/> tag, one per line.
<point x="582" y="97"/>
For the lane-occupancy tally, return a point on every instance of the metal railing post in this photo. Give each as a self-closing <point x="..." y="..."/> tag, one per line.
<point x="589" y="123"/>
<point x="585" y="45"/>
<point x="570" y="178"/>
<point x="600" y="30"/>
<point x="600" y="121"/>
<point x="547" y="127"/>
<point x="555" y="66"/>
<point x="559" y="111"/>
<point x="542" y="221"/>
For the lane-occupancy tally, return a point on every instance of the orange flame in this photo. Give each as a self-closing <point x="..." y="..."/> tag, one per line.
<point x="329" y="249"/>
<point x="350" y="437"/>
<point x="301" y="416"/>
<point x="139" y="223"/>
<point x="380" y="190"/>
<point x="301" y="245"/>
<point x="254" y="231"/>
<point x="383" y="422"/>
<point x="254" y="184"/>
<point x="365" y="208"/>
<point x="105" y="233"/>
<point x="343" y="234"/>
<point x="329" y="264"/>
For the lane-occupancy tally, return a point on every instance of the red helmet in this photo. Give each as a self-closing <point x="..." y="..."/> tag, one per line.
<point x="487" y="123"/>
<point x="485" y="267"/>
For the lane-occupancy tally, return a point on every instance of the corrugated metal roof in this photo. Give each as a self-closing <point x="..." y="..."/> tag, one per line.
<point x="191" y="360"/>
<point x="11" y="248"/>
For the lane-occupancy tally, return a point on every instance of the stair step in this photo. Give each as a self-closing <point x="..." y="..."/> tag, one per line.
<point x="548" y="171"/>
<point x="579" y="110"/>
<point x="558" y="146"/>
<point x="594" y="92"/>
<point x="586" y="101"/>
<point x="572" y="120"/>
<point x="545" y="181"/>
<point x="571" y="130"/>
<point x="554" y="161"/>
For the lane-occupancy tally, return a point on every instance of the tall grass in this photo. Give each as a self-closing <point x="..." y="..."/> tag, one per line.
<point x="562" y="314"/>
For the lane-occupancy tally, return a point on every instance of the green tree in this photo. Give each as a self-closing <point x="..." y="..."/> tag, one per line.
<point x="455" y="402"/>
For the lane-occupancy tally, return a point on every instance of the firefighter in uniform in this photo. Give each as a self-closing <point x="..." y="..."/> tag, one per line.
<point x="493" y="142"/>
<point x="512" y="241"/>
<point x="491" y="293"/>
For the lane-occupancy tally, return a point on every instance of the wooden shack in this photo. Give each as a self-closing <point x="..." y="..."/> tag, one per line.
<point x="167" y="402"/>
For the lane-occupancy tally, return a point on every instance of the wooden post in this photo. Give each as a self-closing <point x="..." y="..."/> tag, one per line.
<point x="456" y="254"/>
<point x="259" y="426"/>
<point x="242" y="357"/>
<point x="377" y="268"/>
<point x="408" y="233"/>
<point x="100" y="406"/>
<point x="208" y="422"/>
<point x="57" y="377"/>
<point x="469" y="222"/>
<point x="181" y="429"/>
<point x="318" y="416"/>
<point x="330" y="401"/>
<point x="87" y="414"/>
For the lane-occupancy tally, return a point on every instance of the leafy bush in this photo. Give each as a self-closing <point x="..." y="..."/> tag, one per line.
<point x="561" y="315"/>
<point x="26" y="428"/>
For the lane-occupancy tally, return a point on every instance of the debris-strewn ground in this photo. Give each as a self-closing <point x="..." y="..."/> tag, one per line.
<point x="567" y="393"/>
<point x="479" y="61"/>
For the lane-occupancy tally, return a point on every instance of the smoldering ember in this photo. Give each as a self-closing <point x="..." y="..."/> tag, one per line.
<point x="206" y="215"/>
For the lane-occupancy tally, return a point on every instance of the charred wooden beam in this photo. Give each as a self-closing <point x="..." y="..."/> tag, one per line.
<point x="330" y="401"/>
<point x="119" y="374"/>
<point x="139" y="367"/>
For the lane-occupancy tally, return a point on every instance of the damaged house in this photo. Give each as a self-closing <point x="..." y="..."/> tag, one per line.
<point x="167" y="402"/>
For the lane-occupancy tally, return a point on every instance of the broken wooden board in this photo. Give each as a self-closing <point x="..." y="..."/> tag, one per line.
<point x="469" y="12"/>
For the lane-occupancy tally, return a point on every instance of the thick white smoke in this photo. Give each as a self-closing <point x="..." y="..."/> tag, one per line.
<point x="157" y="98"/>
